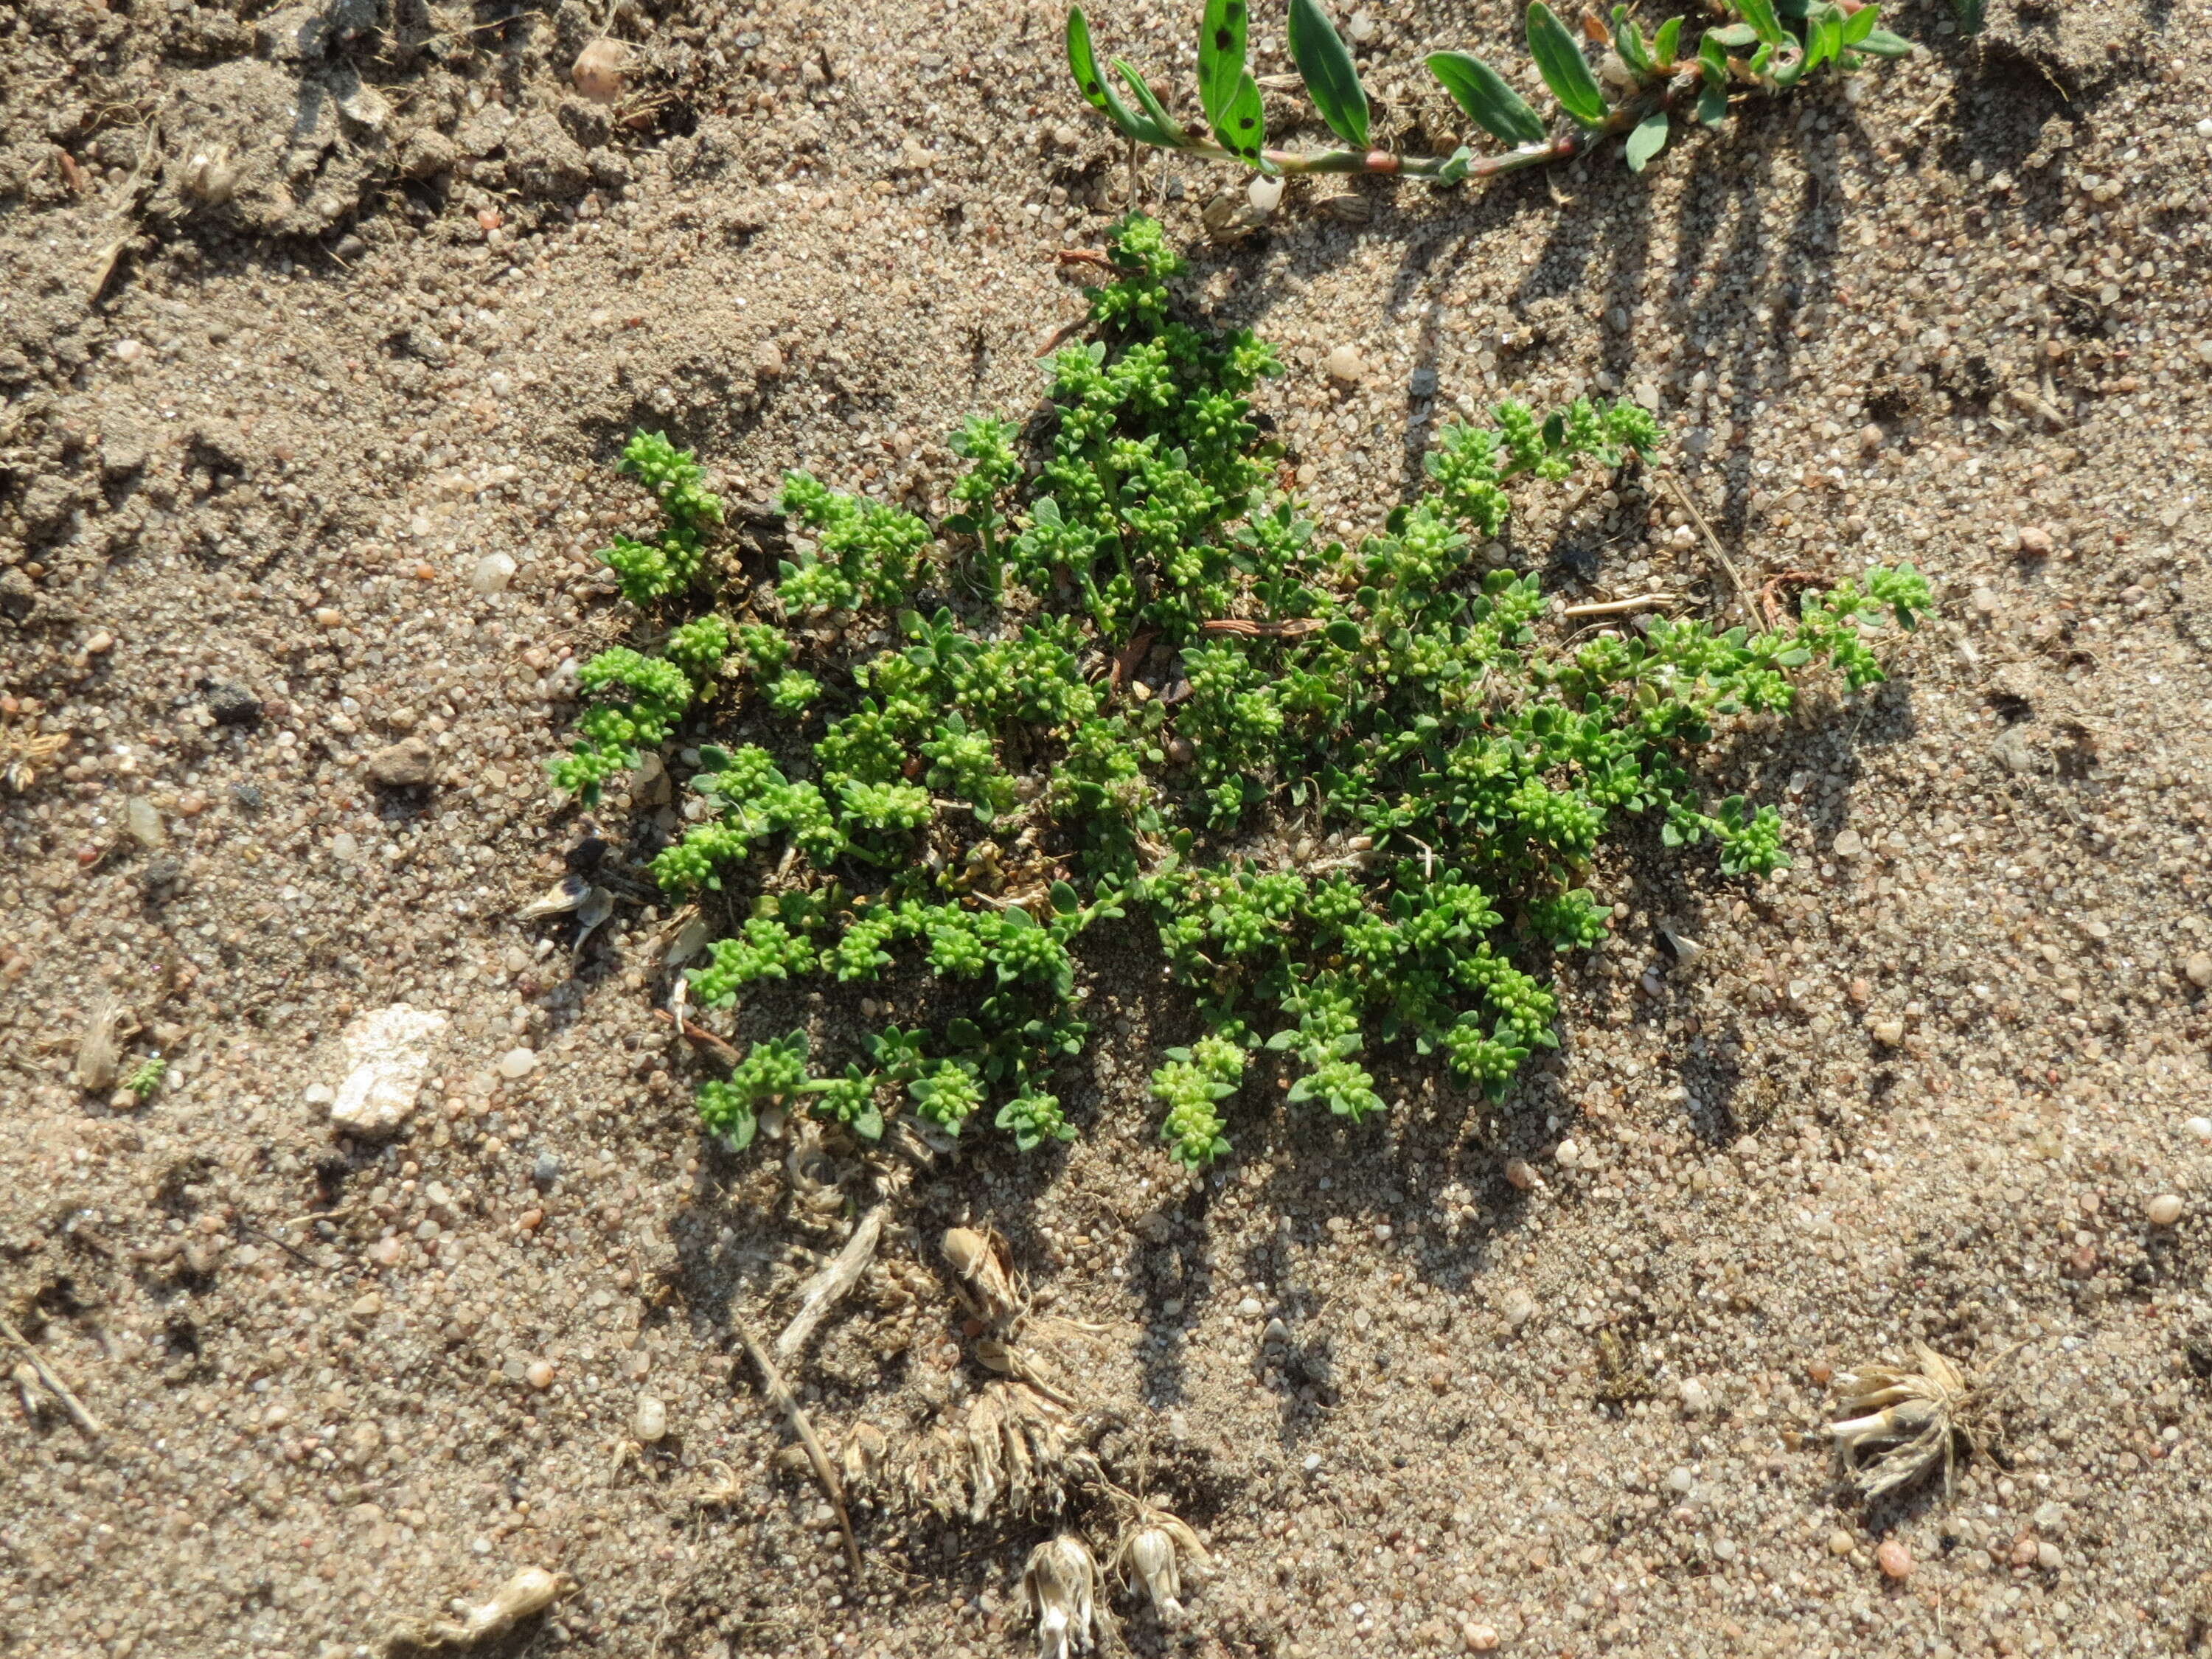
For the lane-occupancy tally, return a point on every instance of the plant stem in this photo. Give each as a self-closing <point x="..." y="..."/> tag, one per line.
<point x="1386" y="163"/>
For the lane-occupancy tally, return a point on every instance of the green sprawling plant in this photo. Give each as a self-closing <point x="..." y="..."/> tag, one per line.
<point x="1767" y="45"/>
<point x="1352" y="788"/>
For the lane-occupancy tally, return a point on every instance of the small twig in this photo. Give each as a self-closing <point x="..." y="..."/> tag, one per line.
<point x="1615" y="607"/>
<point x="705" y="1038"/>
<point x="827" y="1288"/>
<point x="1714" y="542"/>
<point x="83" y="1419"/>
<point x="1292" y="628"/>
<point x="2027" y="402"/>
<point x="780" y="1395"/>
<point x="1060" y="337"/>
<point x="1124" y="664"/>
<point x="1082" y="255"/>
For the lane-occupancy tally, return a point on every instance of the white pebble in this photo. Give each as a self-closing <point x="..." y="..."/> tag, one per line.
<point x="1568" y="1154"/>
<point x="2165" y="1210"/>
<point x="1697" y="1398"/>
<point x="1682" y="1480"/>
<point x="1344" y="364"/>
<point x="517" y="1062"/>
<point x="1249" y="1308"/>
<point x="650" y="1424"/>
<point x="1264" y="194"/>
<point x="492" y="574"/>
<point x="2201" y="1128"/>
<point x="2204" y="127"/>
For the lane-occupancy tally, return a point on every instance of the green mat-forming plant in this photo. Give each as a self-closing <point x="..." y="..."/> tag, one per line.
<point x="1354" y="789"/>
<point x="1767" y="45"/>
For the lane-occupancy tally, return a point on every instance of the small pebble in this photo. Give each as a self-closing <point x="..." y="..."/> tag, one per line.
<point x="2200" y="1128"/>
<point x="546" y="1169"/>
<point x="539" y="1374"/>
<point x="388" y="1252"/>
<point x="492" y="574"/>
<point x="600" y="69"/>
<point x="2023" y="1552"/>
<point x="1567" y="1154"/>
<point x="1682" y="1480"/>
<point x="1481" y="1638"/>
<point x="2165" y="1210"/>
<point x="2049" y="1556"/>
<point x="1250" y="1307"/>
<point x="2034" y="540"/>
<point x="1343" y="364"/>
<point x="1518" y="1307"/>
<point x="327" y="617"/>
<point x="1894" y="1559"/>
<point x="649" y="1424"/>
<point x="1276" y="1334"/>
<point x="1847" y="844"/>
<point x="1839" y="1542"/>
<point x="1264" y="194"/>
<point x="99" y="644"/>
<point x="2198" y="968"/>
<point x="516" y="1063"/>
<point x="1520" y="1173"/>
<point x="1697" y="1398"/>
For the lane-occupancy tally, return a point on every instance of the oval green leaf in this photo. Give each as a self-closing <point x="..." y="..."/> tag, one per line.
<point x="1489" y="102"/>
<point x="1331" y="81"/>
<point x="1664" y="43"/>
<point x="1220" y="57"/>
<point x="1648" y="139"/>
<point x="1242" y="126"/>
<point x="1559" y="61"/>
<point x="1880" y="43"/>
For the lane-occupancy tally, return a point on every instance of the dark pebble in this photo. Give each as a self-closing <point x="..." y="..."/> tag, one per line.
<point x="546" y="1169"/>
<point x="233" y="705"/>
<point x="247" y="796"/>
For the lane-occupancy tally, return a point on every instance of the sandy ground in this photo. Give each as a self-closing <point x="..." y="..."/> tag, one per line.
<point x="318" y="332"/>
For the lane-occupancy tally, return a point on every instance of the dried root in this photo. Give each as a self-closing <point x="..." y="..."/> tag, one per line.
<point x="529" y="1592"/>
<point x="1154" y="1544"/>
<point x="1910" y="1421"/>
<point x="1065" y="1592"/>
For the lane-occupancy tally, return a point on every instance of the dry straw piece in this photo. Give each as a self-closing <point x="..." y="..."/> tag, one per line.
<point x="1066" y="1592"/>
<point x="1906" y="1422"/>
<point x="529" y="1592"/>
<point x="1153" y="1548"/>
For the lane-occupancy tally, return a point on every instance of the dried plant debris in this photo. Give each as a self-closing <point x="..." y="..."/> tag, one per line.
<point x="528" y="1593"/>
<point x="24" y="752"/>
<point x="1154" y="1547"/>
<point x="1904" y="1422"/>
<point x="1065" y="1592"/>
<point x="99" y="1053"/>
<point x="1013" y="1449"/>
<point x="983" y="1274"/>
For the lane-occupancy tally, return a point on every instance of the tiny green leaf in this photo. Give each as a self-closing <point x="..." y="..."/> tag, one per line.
<point x="1664" y="44"/>
<point x="1489" y="102"/>
<point x="1736" y="37"/>
<point x="1628" y="41"/>
<point x="1859" y="24"/>
<point x="1331" y="80"/>
<point x="1559" y="61"/>
<point x="1171" y="130"/>
<point x="1649" y="138"/>
<point x="1713" y="105"/>
<point x="1759" y="14"/>
<point x="1880" y="43"/>
<point x="1220" y="57"/>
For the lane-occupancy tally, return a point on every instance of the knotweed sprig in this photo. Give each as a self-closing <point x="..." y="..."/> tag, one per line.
<point x="1766" y="46"/>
